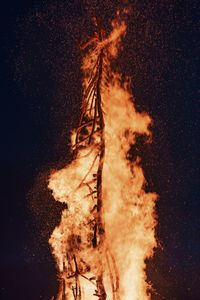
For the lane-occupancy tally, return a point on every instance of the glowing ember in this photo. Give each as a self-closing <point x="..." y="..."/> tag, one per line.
<point x="107" y="231"/>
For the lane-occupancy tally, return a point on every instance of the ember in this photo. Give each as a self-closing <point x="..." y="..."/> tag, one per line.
<point x="108" y="230"/>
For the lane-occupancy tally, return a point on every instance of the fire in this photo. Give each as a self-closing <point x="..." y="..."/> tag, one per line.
<point x="108" y="230"/>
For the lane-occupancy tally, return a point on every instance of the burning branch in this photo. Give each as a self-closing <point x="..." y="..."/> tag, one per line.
<point x="93" y="96"/>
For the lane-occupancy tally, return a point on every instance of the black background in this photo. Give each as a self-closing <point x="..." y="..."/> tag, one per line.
<point x="40" y="100"/>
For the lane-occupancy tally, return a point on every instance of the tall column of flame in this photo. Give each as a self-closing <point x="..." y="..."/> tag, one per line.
<point x="108" y="230"/>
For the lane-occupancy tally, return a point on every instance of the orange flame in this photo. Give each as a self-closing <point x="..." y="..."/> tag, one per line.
<point x="101" y="247"/>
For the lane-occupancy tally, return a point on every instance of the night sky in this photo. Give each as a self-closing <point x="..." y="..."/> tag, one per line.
<point x="40" y="100"/>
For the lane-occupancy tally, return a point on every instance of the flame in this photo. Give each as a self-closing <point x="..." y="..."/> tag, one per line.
<point x="108" y="230"/>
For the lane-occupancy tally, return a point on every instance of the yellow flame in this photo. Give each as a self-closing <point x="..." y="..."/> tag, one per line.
<point x="128" y="211"/>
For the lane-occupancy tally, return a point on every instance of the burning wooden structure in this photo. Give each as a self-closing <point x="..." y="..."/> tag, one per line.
<point x="103" y="190"/>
